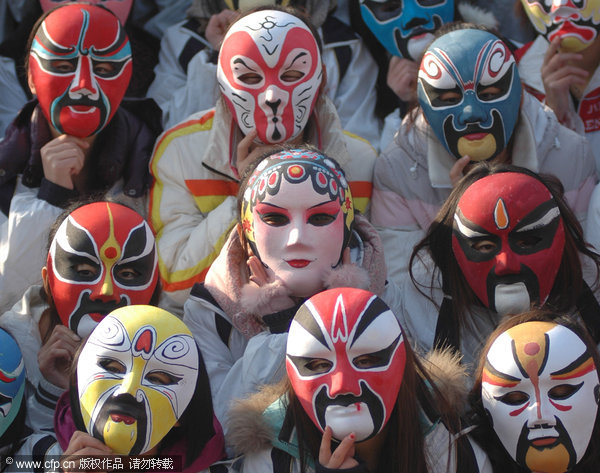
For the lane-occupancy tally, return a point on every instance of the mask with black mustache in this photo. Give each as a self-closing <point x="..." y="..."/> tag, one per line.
<point x="345" y="360"/>
<point x="102" y="257"/>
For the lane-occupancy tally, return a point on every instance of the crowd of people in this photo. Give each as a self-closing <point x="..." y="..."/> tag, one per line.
<point x="304" y="235"/>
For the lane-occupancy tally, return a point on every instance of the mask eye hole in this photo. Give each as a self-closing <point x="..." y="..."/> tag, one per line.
<point x="274" y="219"/>
<point x="87" y="271"/>
<point x="563" y="391"/>
<point x="63" y="66"/>
<point x="112" y="366"/>
<point x="127" y="274"/>
<point x="318" y="365"/>
<point x="514" y="398"/>
<point x="292" y="76"/>
<point x="250" y="78"/>
<point x="104" y="69"/>
<point x="162" y="378"/>
<point x="321" y="219"/>
<point x="528" y="241"/>
<point x="484" y="246"/>
<point x="367" y="361"/>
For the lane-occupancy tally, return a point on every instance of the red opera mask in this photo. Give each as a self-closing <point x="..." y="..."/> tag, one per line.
<point x="269" y="72"/>
<point x="508" y="240"/>
<point x="102" y="257"/>
<point x="80" y="65"/>
<point x="345" y="360"/>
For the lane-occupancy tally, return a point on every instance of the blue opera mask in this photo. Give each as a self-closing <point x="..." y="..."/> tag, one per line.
<point x="406" y="27"/>
<point x="12" y="380"/>
<point x="470" y="92"/>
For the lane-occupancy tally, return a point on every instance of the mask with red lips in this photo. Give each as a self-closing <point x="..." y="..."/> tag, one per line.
<point x="575" y="22"/>
<point x="80" y="66"/>
<point x="297" y="215"/>
<point x="508" y="239"/>
<point x="345" y="359"/>
<point x="269" y="72"/>
<point x="102" y="257"/>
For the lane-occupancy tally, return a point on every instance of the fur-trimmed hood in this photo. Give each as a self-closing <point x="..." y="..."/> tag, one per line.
<point x="245" y="304"/>
<point x="477" y="15"/>
<point x="250" y="427"/>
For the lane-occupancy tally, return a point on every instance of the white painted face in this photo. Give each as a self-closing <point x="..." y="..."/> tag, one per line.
<point x="299" y="235"/>
<point x="540" y="386"/>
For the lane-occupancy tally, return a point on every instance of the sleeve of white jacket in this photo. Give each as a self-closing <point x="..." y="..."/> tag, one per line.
<point x="263" y="362"/>
<point x="355" y="95"/>
<point x="236" y="368"/>
<point x="41" y="405"/>
<point x="178" y="92"/>
<point x="39" y="447"/>
<point x="23" y="247"/>
<point x="188" y="240"/>
<point x="392" y="214"/>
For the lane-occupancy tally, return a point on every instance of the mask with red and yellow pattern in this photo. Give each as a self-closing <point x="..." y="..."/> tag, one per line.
<point x="540" y="387"/>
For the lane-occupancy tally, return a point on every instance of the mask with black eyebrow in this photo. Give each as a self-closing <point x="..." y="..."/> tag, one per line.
<point x="102" y="257"/>
<point x="406" y="27"/>
<point x="469" y="90"/>
<point x="136" y="375"/>
<point x="345" y="360"/>
<point x="296" y="166"/>
<point x="508" y="239"/>
<point x="540" y="387"/>
<point x="269" y="73"/>
<point x="576" y="23"/>
<point x="80" y="63"/>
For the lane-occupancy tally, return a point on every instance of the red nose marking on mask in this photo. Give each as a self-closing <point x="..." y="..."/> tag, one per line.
<point x="144" y="342"/>
<point x="531" y="349"/>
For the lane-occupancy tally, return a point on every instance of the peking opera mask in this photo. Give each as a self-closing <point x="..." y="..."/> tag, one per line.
<point x="102" y="257"/>
<point x="575" y="22"/>
<point x="508" y="239"/>
<point x="406" y="27"/>
<point x="469" y="90"/>
<point x="136" y="375"/>
<point x="269" y="72"/>
<point x="540" y="387"/>
<point x="12" y="381"/>
<point x="80" y="67"/>
<point x="345" y="360"/>
<point x="297" y="216"/>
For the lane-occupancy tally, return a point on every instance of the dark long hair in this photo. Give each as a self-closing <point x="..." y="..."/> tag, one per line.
<point x="569" y="285"/>
<point x="484" y="433"/>
<point x="404" y="440"/>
